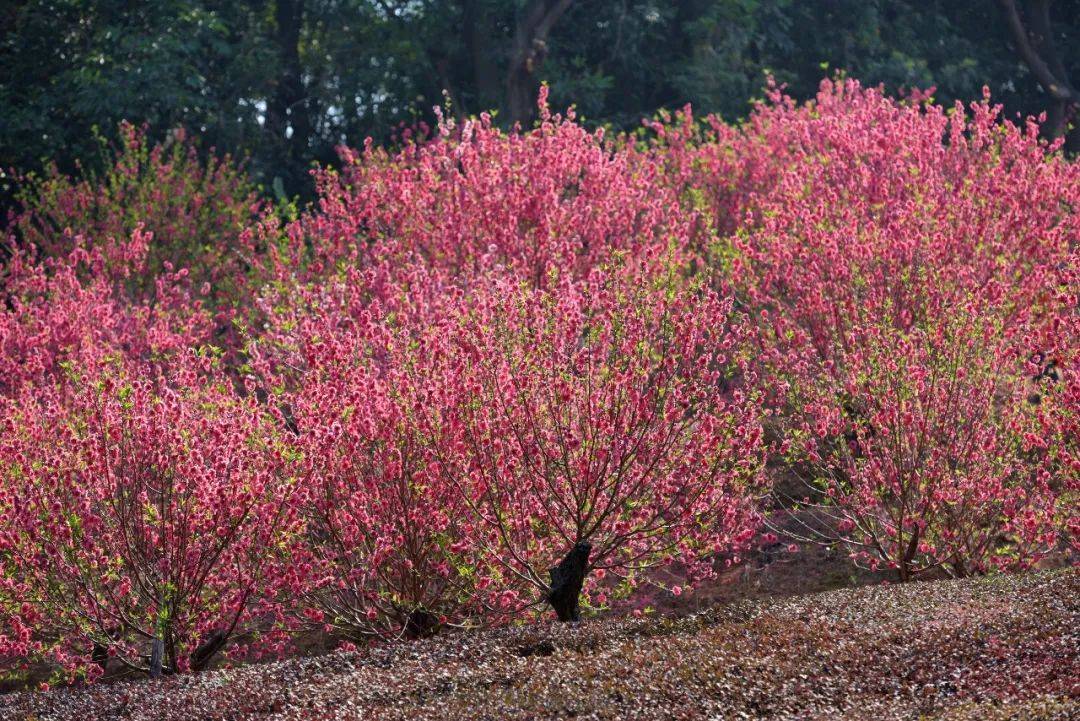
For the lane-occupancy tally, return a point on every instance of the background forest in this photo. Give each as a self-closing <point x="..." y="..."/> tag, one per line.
<point x="283" y="83"/>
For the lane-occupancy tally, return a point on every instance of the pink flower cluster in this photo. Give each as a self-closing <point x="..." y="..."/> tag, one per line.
<point x="489" y="356"/>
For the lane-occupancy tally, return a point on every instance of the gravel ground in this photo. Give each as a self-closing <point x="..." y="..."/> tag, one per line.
<point x="980" y="650"/>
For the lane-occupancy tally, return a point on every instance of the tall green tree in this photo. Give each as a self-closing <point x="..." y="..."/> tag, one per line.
<point x="286" y="81"/>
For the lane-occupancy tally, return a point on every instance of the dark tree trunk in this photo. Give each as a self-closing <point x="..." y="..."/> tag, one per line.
<point x="421" y="624"/>
<point x="909" y="554"/>
<point x="287" y="107"/>
<point x="477" y="31"/>
<point x="566" y="581"/>
<point x="157" y="653"/>
<point x="1072" y="137"/>
<point x="100" y="655"/>
<point x="527" y="55"/>
<point x="1033" y="37"/>
<point x="100" y="652"/>
<point x="204" y="654"/>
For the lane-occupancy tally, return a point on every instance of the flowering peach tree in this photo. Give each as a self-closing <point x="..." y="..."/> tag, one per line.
<point x="387" y="548"/>
<point x="192" y="210"/>
<point x="898" y="268"/>
<point x="135" y="509"/>
<point x="602" y="424"/>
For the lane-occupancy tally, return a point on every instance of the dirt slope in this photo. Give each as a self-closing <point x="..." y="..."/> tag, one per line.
<point x="984" y="649"/>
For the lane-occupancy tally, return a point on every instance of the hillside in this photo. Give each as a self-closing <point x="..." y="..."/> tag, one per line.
<point x="992" y="648"/>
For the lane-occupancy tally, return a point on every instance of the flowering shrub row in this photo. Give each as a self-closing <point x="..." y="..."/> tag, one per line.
<point x="494" y="373"/>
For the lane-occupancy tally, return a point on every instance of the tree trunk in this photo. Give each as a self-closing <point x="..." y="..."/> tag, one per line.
<point x="1072" y="140"/>
<point x="1033" y="37"/>
<point x="477" y="38"/>
<point x="421" y="624"/>
<point x="566" y="581"/>
<point x="527" y="55"/>
<point x="204" y="654"/>
<point x="287" y="114"/>
<point x="157" y="653"/>
<point x="100" y="655"/>
<point x="909" y="555"/>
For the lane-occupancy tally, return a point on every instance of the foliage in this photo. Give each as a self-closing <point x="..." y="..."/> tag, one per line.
<point x="287" y="81"/>
<point x="191" y="212"/>
<point x="139" y="508"/>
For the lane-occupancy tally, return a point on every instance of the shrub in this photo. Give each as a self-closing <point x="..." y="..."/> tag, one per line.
<point x="65" y="311"/>
<point x="139" y="507"/>
<point x="557" y="197"/>
<point x="193" y="212"/>
<point x="389" y="547"/>
<point x="1054" y="441"/>
<point x="601" y="423"/>
<point x="897" y="267"/>
<point x="417" y="242"/>
<point x="918" y="446"/>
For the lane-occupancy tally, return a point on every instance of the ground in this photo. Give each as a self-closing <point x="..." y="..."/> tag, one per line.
<point x="1004" y="647"/>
